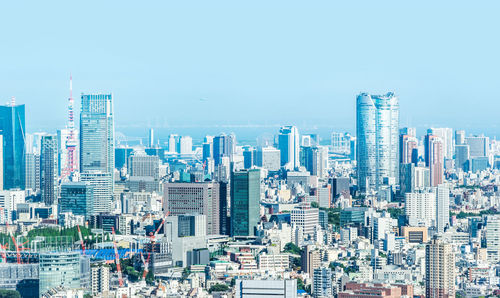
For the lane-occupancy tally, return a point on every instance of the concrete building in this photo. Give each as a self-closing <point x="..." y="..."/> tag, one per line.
<point x="305" y="218"/>
<point x="265" y="288"/>
<point x="188" y="198"/>
<point x="439" y="269"/>
<point x="322" y="282"/>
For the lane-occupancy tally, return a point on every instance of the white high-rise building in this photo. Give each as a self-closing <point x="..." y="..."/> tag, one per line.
<point x="289" y="145"/>
<point x="493" y="238"/>
<point x="305" y="218"/>
<point x="103" y="189"/>
<point x="442" y="207"/>
<point x="377" y="133"/>
<point x="420" y="207"/>
<point x="8" y="203"/>
<point x="186" y="145"/>
<point x="268" y="158"/>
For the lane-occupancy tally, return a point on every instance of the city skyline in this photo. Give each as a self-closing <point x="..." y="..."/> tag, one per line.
<point x="200" y="68"/>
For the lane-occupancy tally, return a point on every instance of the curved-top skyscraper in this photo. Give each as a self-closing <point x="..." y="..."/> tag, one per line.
<point x="377" y="125"/>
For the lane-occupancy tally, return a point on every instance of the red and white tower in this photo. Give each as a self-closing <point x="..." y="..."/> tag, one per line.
<point x="71" y="141"/>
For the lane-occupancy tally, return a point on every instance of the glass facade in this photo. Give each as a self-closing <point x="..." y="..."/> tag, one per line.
<point x="377" y="125"/>
<point x="97" y="133"/>
<point x="245" y="200"/>
<point x="49" y="169"/>
<point x="59" y="269"/>
<point x="12" y="128"/>
<point x="77" y="198"/>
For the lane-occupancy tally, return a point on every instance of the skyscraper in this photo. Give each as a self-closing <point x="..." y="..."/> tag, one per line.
<point x="97" y="149"/>
<point x="442" y="207"/>
<point x="315" y="160"/>
<point x="407" y="146"/>
<point x="434" y="158"/>
<point x="459" y="137"/>
<point x="462" y="155"/>
<point x="13" y="130"/>
<point x="49" y="169"/>
<point x="245" y="199"/>
<point x="223" y="146"/>
<point x="377" y="126"/>
<point x="479" y="145"/>
<point x="439" y="270"/>
<point x="97" y="153"/>
<point x="446" y="135"/>
<point x="289" y="145"/>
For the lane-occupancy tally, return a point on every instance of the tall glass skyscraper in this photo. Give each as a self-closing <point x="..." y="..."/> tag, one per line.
<point x="49" y="170"/>
<point x="377" y="126"/>
<point x="97" y="153"/>
<point x="245" y="198"/>
<point x="289" y="145"/>
<point x="13" y="130"/>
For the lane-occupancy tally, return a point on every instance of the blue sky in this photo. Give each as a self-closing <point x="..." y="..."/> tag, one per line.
<point x="254" y="62"/>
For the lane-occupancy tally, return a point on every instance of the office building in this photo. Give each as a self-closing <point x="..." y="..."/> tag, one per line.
<point x="268" y="158"/>
<point x="442" y="208"/>
<point x="493" y="238"/>
<point x="33" y="172"/>
<point x="245" y="200"/>
<point x="103" y="189"/>
<point x="305" y="218"/>
<point x="252" y="288"/>
<point x="407" y="149"/>
<point x="12" y="129"/>
<point x="185" y="145"/>
<point x="439" y="269"/>
<point x="434" y="159"/>
<point x="151" y="138"/>
<point x="59" y="269"/>
<point x="315" y="160"/>
<point x="478" y="146"/>
<point x="142" y="165"/>
<point x="97" y="151"/>
<point x="341" y="143"/>
<point x="186" y="233"/>
<point x="377" y="124"/>
<point x="413" y="178"/>
<point x="223" y="146"/>
<point x="322" y="282"/>
<point x="289" y="146"/>
<point x="446" y="135"/>
<point x="195" y="198"/>
<point x="9" y="199"/>
<point x="462" y="155"/>
<point x="77" y="198"/>
<point x="460" y="137"/>
<point x="48" y="167"/>
<point x="249" y="157"/>
<point x="340" y="185"/>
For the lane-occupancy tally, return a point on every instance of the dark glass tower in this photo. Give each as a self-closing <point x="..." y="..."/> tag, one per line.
<point x="12" y="128"/>
<point x="245" y="200"/>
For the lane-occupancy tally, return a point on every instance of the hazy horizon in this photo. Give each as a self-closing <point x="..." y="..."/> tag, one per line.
<point x="259" y="63"/>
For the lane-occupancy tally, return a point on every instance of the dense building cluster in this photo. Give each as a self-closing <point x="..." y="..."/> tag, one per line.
<point x="387" y="212"/>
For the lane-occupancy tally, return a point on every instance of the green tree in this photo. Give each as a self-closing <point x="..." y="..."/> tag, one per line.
<point x="314" y="204"/>
<point x="395" y="212"/>
<point x="9" y="294"/>
<point x="292" y="248"/>
<point x="218" y="288"/>
<point x="300" y="284"/>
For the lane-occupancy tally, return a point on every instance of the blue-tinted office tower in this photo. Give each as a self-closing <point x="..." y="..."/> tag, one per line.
<point x="77" y="198"/>
<point x="49" y="169"/>
<point x="289" y="145"/>
<point x="223" y="146"/>
<point x="245" y="200"/>
<point x="97" y="133"/>
<point x="97" y="153"/>
<point x="377" y="129"/>
<point x="13" y="130"/>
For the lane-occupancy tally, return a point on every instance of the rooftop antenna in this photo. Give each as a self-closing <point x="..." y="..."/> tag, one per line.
<point x="13" y="101"/>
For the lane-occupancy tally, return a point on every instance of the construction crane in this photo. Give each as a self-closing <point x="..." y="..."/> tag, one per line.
<point x="81" y="239"/>
<point x="117" y="258"/>
<point x="4" y="256"/>
<point x="18" y="253"/>
<point x="153" y="236"/>
<point x="146" y="265"/>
